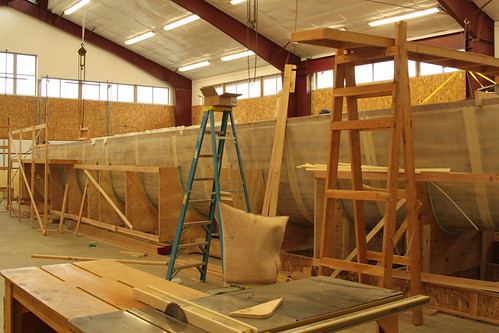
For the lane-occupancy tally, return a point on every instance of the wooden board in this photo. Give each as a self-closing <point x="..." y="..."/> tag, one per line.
<point x="141" y="212"/>
<point x="136" y="278"/>
<point x="107" y="212"/>
<point x="263" y="310"/>
<point x="170" y="202"/>
<point x="113" y="292"/>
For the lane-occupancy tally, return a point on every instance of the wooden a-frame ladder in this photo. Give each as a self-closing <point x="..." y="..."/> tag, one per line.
<point x="399" y="126"/>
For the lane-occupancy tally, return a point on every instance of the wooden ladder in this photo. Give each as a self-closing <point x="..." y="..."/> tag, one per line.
<point x="399" y="126"/>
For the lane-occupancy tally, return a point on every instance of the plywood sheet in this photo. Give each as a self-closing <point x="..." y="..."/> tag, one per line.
<point x="139" y="210"/>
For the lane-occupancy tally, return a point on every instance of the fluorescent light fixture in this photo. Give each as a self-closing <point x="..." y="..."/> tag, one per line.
<point x="404" y="17"/>
<point x="237" y="55"/>
<point x="235" y="2"/>
<point x="183" y="21"/>
<point x="139" y="38"/>
<point x="75" y="7"/>
<point x="194" y="66"/>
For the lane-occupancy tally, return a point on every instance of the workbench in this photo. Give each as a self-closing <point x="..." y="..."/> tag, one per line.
<point x="97" y="296"/>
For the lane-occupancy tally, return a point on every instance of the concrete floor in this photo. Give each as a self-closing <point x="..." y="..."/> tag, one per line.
<point x="18" y="241"/>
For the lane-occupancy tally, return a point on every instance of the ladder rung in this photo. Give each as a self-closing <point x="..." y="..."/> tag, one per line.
<point x="216" y="132"/>
<point x="4" y="147"/>
<point x="370" y="90"/>
<point x="190" y="224"/>
<point x="204" y="179"/>
<point x="226" y="138"/>
<point x="367" y="56"/>
<point x="4" y="168"/>
<point x="207" y="155"/>
<point x="367" y="124"/>
<point x="401" y="193"/>
<point x="399" y="260"/>
<point x="183" y="246"/>
<point x="201" y="200"/>
<point x="196" y="264"/>
<point x="358" y="195"/>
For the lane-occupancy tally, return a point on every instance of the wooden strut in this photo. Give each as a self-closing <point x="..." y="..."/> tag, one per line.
<point x="273" y="178"/>
<point x="399" y="127"/>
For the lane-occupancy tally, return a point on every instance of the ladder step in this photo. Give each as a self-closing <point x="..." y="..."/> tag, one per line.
<point x="358" y="195"/>
<point x="226" y="138"/>
<point x="401" y="193"/>
<point x="204" y="179"/>
<point x="368" y="124"/>
<point x="207" y="155"/>
<point x="190" y="224"/>
<point x="399" y="260"/>
<point x="4" y="147"/>
<point x="368" y="56"/>
<point x="216" y="132"/>
<point x="195" y="264"/>
<point x="201" y="200"/>
<point x="4" y="168"/>
<point x="371" y="90"/>
<point x="183" y="246"/>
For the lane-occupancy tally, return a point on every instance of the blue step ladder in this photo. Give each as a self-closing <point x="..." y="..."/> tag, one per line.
<point x="218" y="140"/>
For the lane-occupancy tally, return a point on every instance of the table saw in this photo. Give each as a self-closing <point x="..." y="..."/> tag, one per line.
<point x="97" y="296"/>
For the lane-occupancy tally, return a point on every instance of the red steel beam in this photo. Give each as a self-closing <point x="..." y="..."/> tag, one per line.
<point x="182" y="85"/>
<point x="266" y="49"/>
<point x="476" y="23"/>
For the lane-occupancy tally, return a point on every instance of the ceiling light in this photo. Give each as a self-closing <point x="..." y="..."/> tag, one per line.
<point x="235" y="2"/>
<point x="194" y="66"/>
<point x="237" y="55"/>
<point x="183" y="21"/>
<point x="139" y="38"/>
<point x="404" y="17"/>
<point x="75" y="7"/>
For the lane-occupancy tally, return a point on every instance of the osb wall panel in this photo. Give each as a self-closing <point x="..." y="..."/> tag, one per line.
<point x="63" y="116"/>
<point x="20" y="109"/>
<point x="421" y="88"/>
<point x="247" y="110"/>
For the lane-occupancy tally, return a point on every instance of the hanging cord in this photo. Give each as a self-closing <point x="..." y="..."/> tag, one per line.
<point x="81" y="74"/>
<point x="252" y="24"/>
<point x="296" y="24"/>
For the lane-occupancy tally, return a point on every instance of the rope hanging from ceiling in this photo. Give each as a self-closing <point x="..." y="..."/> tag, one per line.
<point x="252" y="25"/>
<point x="82" y="53"/>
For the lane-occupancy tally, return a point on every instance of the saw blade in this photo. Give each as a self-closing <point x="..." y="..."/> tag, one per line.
<point x="174" y="310"/>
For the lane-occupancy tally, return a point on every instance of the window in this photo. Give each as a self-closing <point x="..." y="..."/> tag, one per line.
<point x="144" y="94"/>
<point x="255" y="89"/>
<point x="324" y="79"/>
<point x="17" y="74"/>
<point x="91" y="90"/>
<point x="126" y="93"/>
<point x="428" y="69"/>
<point x="160" y="96"/>
<point x="364" y="73"/>
<point x="270" y="85"/>
<point x="383" y="71"/>
<point x="69" y="89"/>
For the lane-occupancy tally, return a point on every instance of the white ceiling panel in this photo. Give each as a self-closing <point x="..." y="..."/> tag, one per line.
<point x="277" y="19"/>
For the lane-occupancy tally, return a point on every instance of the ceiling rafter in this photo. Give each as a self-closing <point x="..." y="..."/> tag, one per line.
<point x="266" y="49"/>
<point x="476" y="23"/>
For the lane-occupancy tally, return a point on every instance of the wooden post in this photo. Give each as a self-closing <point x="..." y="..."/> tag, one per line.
<point x="32" y="180"/>
<point x="80" y="214"/>
<point x="46" y="181"/>
<point x="9" y="169"/>
<point x="19" y="191"/>
<point x="63" y="208"/>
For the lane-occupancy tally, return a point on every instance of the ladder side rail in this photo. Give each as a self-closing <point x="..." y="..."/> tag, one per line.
<point x="185" y="201"/>
<point x="332" y="164"/>
<point x="356" y="170"/>
<point x="412" y="205"/>
<point x="217" y="164"/>
<point x="240" y="162"/>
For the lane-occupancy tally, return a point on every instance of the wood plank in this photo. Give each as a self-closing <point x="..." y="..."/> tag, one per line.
<point x="196" y="315"/>
<point x="274" y="174"/>
<point x="138" y="209"/>
<point x="109" y="200"/>
<point x="51" y="299"/>
<point x="138" y="279"/>
<point x="367" y="91"/>
<point x="108" y="290"/>
<point x="263" y="310"/>
<point x="350" y="266"/>
<point x="364" y="124"/>
<point x="123" y="168"/>
<point x="64" y="207"/>
<point x="357" y="195"/>
<point x="339" y="39"/>
<point x="123" y="261"/>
